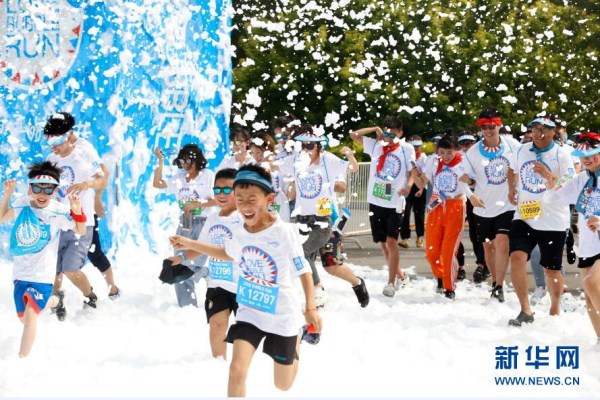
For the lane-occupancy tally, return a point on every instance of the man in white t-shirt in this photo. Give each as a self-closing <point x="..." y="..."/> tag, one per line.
<point x="487" y="166"/>
<point x="95" y="254"/>
<point x="389" y="182"/>
<point x="34" y="243"/>
<point x="537" y="166"/>
<point x="81" y="174"/>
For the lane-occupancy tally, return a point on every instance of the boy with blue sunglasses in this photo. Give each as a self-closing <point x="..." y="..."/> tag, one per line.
<point x="269" y="258"/>
<point x="221" y="293"/>
<point x="34" y="243"/>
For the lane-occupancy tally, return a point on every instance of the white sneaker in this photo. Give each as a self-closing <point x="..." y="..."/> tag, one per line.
<point x="320" y="296"/>
<point x="389" y="290"/>
<point x="401" y="283"/>
<point x="538" y="294"/>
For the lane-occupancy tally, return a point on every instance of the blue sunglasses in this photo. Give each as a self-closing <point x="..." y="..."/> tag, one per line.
<point x="224" y="190"/>
<point x="389" y="135"/>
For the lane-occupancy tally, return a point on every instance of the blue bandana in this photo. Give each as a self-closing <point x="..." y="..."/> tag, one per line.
<point x="538" y="152"/>
<point x="491" y="152"/>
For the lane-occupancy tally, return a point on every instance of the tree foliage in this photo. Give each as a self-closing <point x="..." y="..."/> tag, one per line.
<point x="345" y="64"/>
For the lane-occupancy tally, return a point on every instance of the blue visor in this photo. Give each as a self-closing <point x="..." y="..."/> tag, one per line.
<point x="416" y="143"/>
<point x="310" y="137"/>
<point x="253" y="178"/>
<point x="43" y="179"/>
<point x="544" y="121"/>
<point x="585" y="150"/>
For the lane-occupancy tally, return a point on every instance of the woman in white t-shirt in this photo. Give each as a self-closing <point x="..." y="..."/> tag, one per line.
<point x="239" y="142"/>
<point x="192" y="185"/>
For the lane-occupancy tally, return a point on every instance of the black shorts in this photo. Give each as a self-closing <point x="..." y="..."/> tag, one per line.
<point x="523" y="237"/>
<point x="488" y="228"/>
<point x="282" y="349"/>
<point x="217" y="300"/>
<point x="588" y="262"/>
<point x="385" y="223"/>
<point x="331" y="253"/>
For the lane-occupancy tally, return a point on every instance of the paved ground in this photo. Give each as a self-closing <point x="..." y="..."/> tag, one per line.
<point x="371" y="255"/>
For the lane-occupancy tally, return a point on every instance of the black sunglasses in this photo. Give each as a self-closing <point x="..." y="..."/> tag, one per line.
<point x="37" y="189"/>
<point x="225" y="190"/>
<point x="308" y="146"/>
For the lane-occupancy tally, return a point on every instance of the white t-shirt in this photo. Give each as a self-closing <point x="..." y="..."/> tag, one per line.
<point x="40" y="267"/>
<point x="315" y="182"/>
<point x="568" y="193"/>
<point x="269" y="262"/>
<point x="81" y="165"/>
<point x="395" y="172"/>
<point x="491" y="178"/>
<point x="446" y="180"/>
<point x="88" y="146"/>
<point x="532" y="207"/>
<point x="421" y="161"/>
<point x="196" y="190"/>
<point x="217" y="230"/>
<point x="511" y="142"/>
<point x="570" y="149"/>
<point x="230" y="162"/>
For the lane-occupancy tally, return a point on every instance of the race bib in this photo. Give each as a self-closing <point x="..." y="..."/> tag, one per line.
<point x="530" y="209"/>
<point x="222" y="270"/>
<point x="382" y="191"/>
<point x="257" y="294"/>
<point x="323" y="207"/>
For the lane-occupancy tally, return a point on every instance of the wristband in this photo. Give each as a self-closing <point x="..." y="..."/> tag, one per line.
<point x="78" y="218"/>
<point x="182" y="255"/>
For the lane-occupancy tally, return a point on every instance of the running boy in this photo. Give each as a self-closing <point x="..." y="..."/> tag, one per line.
<point x="35" y="255"/>
<point x="268" y="255"/>
<point x="220" y="296"/>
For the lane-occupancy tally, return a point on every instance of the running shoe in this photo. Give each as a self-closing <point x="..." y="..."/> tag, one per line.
<point x="115" y="296"/>
<point x="308" y="336"/>
<point x="498" y="293"/>
<point x="404" y="243"/>
<point x="389" y="290"/>
<point x="478" y="274"/>
<point x="60" y="310"/>
<point x="521" y="319"/>
<point x="538" y="294"/>
<point x="461" y="275"/>
<point x="486" y="273"/>
<point x="420" y="242"/>
<point x="92" y="299"/>
<point x="361" y="293"/>
<point x="401" y="283"/>
<point x="450" y="294"/>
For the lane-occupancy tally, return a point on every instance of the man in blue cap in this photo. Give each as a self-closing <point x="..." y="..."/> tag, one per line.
<point x="537" y="166"/>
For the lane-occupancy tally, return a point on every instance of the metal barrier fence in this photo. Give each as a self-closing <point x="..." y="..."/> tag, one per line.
<point x="356" y="201"/>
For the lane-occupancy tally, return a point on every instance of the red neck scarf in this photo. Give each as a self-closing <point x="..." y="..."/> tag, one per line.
<point x="457" y="158"/>
<point x="385" y="150"/>
<point x="418" y="154"/>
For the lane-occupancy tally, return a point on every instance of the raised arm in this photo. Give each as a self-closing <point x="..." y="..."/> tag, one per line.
<point x="157" y="181"/>
<point x="183" y="243"/>
<point x="357" y="136"/>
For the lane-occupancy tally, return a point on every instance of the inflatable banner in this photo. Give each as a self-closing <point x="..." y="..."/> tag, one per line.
<point x="135" y="75"/>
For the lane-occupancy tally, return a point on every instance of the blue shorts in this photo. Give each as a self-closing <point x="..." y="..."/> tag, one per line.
<point x="32" y="293"/>
<point x="72" y="251"/>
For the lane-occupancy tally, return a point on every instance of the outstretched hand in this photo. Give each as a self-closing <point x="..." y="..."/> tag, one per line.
<point x="180" y="242"/>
